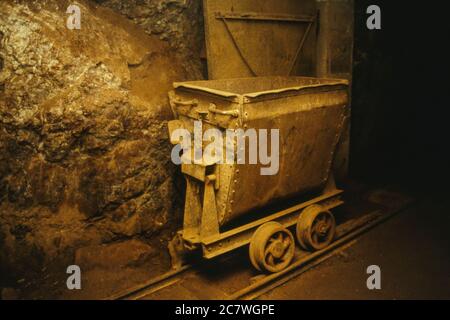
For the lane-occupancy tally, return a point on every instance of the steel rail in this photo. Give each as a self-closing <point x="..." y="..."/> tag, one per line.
<point x="163" y="281"/>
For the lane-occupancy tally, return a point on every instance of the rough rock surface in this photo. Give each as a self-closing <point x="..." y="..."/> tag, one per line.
<point x="84" y="152"/>
<point x="179" y="22"/>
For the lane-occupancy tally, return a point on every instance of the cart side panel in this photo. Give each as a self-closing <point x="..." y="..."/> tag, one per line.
<point x="309" y="126"/>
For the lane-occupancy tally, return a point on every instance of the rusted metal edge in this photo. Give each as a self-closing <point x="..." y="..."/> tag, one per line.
<point x="191" y="86"/>
<point x="263" y="16"/>
<point x="247" y="97"/>
<point x="294" y="93"/>
<point x="326" y="87"/>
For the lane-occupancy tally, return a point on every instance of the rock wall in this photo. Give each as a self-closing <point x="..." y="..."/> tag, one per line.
<point x="179" y="22"/>
<point x="84" y="151"/>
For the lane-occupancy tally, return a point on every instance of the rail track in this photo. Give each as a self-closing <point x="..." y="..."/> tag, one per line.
<point x="346" y="234"/>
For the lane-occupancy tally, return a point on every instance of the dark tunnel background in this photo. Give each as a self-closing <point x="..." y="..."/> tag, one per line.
<point x="400" y="95"/>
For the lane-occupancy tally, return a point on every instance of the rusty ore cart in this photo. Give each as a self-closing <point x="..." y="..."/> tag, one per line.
<point x="309" y="113"/>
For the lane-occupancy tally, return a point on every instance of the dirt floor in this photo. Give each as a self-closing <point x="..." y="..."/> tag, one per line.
<point x="412" y="250"/>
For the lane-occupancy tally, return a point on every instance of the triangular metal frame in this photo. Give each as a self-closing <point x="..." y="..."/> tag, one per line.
<point x="225" y="17"/>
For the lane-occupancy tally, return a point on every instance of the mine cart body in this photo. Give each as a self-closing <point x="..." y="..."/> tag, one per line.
<point x="309" y="113"/>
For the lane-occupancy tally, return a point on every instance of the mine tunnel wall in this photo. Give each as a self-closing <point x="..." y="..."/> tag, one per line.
<point x="84" y="151"/>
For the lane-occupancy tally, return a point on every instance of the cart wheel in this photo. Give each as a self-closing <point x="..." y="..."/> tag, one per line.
<point x="316" y="228"/>
<point x="272" y="247"/>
